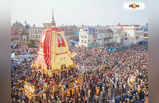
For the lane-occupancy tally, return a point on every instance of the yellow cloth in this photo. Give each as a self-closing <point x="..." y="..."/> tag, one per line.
<point x="68" y="93"/>
<point x="89" y="92"/>
<point x="131" y="86"/>
<point x="62" y="88"/>
<point x="139" y="90"/>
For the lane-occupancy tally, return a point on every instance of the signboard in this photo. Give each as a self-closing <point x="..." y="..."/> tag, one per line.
<point x="134" y="4"/>
<point x="111" y="49"/>
<point x="92" y="46"/>
<point x="76" y="33"/>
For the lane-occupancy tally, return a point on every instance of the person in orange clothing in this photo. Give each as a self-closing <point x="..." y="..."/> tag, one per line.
<point x="73" y="91"/>
<point x="97" y="91"/>
<point x="85" y="99"/>
<point x="77" y="89"/>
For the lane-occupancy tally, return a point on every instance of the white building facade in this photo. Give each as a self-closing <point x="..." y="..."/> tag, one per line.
<point x="128" y="35"/>
<point x="100" y="39"/>
<point x="35" y="33"/>
<point x="104" y="39"/>
<point x="85" y="37"/>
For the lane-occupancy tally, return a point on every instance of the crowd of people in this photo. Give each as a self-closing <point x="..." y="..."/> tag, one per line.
<point x="101" y="76"/>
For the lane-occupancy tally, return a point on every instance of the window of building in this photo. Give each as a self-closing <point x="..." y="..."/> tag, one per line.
<point x="145" y="35"/>
<point x="37" y="36"/>
<point x="137" y="37"/>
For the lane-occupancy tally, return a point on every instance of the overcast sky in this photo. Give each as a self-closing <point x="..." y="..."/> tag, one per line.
<point x="102" y="12"/>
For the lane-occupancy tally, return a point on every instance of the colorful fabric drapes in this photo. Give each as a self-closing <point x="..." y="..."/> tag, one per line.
<point x="47" y="48"/>
<point x="53" y="51"/>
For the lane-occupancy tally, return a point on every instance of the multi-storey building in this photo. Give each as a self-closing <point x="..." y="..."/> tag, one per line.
<point x="98" y="36"/>
<point x="16" y="31"/>
<point x="128" y="34"/>
<point x="20" y="32"/>
<point x="35" y="33"/>
<point x="87" y="36"/>
<point x="104" y="39"/>
<point x="70" y="32"/>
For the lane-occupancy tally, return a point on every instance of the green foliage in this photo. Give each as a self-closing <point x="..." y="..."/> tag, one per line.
<point x="31" y="43"/>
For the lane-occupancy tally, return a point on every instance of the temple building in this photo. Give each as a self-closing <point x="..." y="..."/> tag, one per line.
<point x="53" y="52"/>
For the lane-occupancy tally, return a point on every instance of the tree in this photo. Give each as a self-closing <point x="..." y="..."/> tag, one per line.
<point x="31" y="43"/>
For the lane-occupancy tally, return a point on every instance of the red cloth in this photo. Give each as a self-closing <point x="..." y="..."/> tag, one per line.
<point x="47" y="48"/>
<point x="61" y="42"/>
